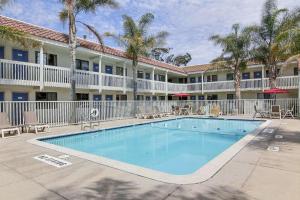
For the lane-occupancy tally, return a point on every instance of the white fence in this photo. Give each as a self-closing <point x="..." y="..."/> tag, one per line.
<point x="58" y="113"/>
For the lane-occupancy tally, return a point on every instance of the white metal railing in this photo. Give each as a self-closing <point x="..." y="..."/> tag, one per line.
<point x="159" y="86"/>
<point x="109" y="80"/>
<point x="59" y="113"/>
<point x="56" y="76"/>
<point x="23" y="73"/>
<point x="19" y="73"/>
<point x="143" y="84"/>
<point x="177" y="87"/>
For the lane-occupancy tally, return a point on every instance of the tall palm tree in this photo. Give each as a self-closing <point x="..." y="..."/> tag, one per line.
<point x="236" y="48"/>
<point x="138" y="42"/>
<point x="69" y="13"/>
<point x="266" y="47"/>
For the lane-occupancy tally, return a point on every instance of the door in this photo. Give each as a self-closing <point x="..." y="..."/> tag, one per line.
<point x="1" y="99"/>
<point x="19" y="106"/>
<point x="96" y="67"/>
<point x="97" y="97"/>
<point x="108" y="69"/>
<point x="20" y="70"/>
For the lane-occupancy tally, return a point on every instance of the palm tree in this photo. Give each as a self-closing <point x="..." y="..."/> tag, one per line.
<point x="236" y="48"/>
<point x="266" y="47"/>
<point x="69" y="13"/>
<point x="138" y="42"/>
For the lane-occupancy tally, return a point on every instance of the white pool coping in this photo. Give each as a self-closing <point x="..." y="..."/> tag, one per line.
<point x="202" y="174"/>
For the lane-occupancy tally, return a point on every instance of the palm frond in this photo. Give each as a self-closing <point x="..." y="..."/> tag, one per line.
<point x="145" y="21"/>
<point x="94" y="32"/>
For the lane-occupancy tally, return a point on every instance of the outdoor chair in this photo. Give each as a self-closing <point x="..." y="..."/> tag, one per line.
<point x="201" y="111"/>
<point x="275" y="111"/>
<point x="31" y="121"/>
<point x="5" y="126"/>
<point x="177" y="110"/>
<point x="289" y="113"/>
<point x="262" y="114"/>
<point x="215" y="110"/>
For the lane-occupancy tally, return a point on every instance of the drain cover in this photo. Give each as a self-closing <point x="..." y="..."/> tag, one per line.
<point x="50" y="160"/>
<point x="278" y="136"/>
<point x="268" y="130"/>
<point x="273" y="148"/>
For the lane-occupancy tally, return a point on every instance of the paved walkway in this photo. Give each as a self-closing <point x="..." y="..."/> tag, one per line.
<point x="254" y="173"/>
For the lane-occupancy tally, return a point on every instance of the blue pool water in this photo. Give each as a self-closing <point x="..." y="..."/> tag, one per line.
<point x="177" y="147"/>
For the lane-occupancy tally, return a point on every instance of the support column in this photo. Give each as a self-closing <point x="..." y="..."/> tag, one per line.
<point x="124" y="78"/>
<point x="202" y="79"/>
<point x="262" y="77"/>
<point x="152" y="83"/>
<point x="100" y="73"/>
<point x="166" y="82"/>
<point x="42" y="67"/>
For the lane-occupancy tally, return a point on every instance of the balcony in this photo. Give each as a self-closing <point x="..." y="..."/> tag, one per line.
<point x="30" y="74"/>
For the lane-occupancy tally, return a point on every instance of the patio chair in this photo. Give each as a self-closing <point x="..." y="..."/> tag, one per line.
<point x="215" y="110"/>
<point x="31" y="121"/>
<point x="201" y="111"/>
<point x="262" y="114"/>
<point x="275" y="111"/>
<point x="5" y="126"/>
<point x="289" y="113"/>
<point x="158" y="112"/>
<point x="177" y="110"/>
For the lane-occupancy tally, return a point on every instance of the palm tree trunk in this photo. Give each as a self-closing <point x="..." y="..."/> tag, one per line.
<point x="72" y="46"/>
<point x="237" y="87"/>
<point x="134" y="66"/>
<point x="298" y="61"/>
<point x="272" y="76"/>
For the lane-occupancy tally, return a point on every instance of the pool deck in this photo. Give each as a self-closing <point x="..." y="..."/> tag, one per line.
<point x="254" y="173"/>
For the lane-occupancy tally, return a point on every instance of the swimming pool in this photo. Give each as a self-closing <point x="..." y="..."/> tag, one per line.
<point x="177" y="147"/>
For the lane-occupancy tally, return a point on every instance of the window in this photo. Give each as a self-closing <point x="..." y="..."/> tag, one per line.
<point x="162" y="98"/>
<point x="82" y="64"/>
<point x="192" y="80"/>
<point x="200" y="79"/>
<point x="208" y="78"/>
<point x="119" y="71"/>
<point x="246" y="75"/>
<point x="212" y="97"/>
<point x="257" y="74"/>
<point x="140" y="97"/>
<point x="121" y="97"/>
<point x="193" y="98"/>
<point x="230" y="96"/>
<point x="97" y="97"/>
<point x="296" y="71"/>
<point x="148" y="76"/>
<point x="1" y="52"/>
<point x="49" y="59"/>
<point x="161" y="78"/>
<point x="214" y="78"/>
<point x="46" y="96"/>
<point x="155" y="77"/>
<point x="108" y="69"/>
<point x="82" y="97"/>
<point x="154" y="98"/>
<point x="267" y="72"/>
<point x="182" y="80"/>
<point x="229" y="77"/>
<point x="201" y="97"/>
<point x="140" y="74"/>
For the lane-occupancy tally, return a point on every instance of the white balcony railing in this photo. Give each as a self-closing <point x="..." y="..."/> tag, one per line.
<point x="30" y="74"/>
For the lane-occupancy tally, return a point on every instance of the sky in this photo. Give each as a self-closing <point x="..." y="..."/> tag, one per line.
<point x="189" y="22"/>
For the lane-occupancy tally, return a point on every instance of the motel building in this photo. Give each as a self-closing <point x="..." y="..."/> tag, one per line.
<point x="43" y="73"/>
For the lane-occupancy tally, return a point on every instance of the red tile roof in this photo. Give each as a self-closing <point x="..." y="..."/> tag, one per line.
<point x="45" y="33"/>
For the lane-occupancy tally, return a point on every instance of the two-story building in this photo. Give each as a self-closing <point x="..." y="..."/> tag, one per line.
<point x="43" y="73"/>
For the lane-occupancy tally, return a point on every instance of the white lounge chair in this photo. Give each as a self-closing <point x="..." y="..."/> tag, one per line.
<point x="5" y="126"/>
<point x="275" y="111"/>
<point x="31" y="121"/>
<point x="289" y="113"/>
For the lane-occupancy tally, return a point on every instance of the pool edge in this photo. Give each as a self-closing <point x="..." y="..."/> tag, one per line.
<point x="202" y="174"/>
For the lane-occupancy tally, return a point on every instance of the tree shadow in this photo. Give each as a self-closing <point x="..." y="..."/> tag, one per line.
<point x="216" y="193"/>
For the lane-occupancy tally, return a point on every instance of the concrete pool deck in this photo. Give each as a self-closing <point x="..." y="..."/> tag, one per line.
<point x="254" y="173"/>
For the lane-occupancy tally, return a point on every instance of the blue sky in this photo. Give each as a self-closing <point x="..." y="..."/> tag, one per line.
<point x="189" y="22"/>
